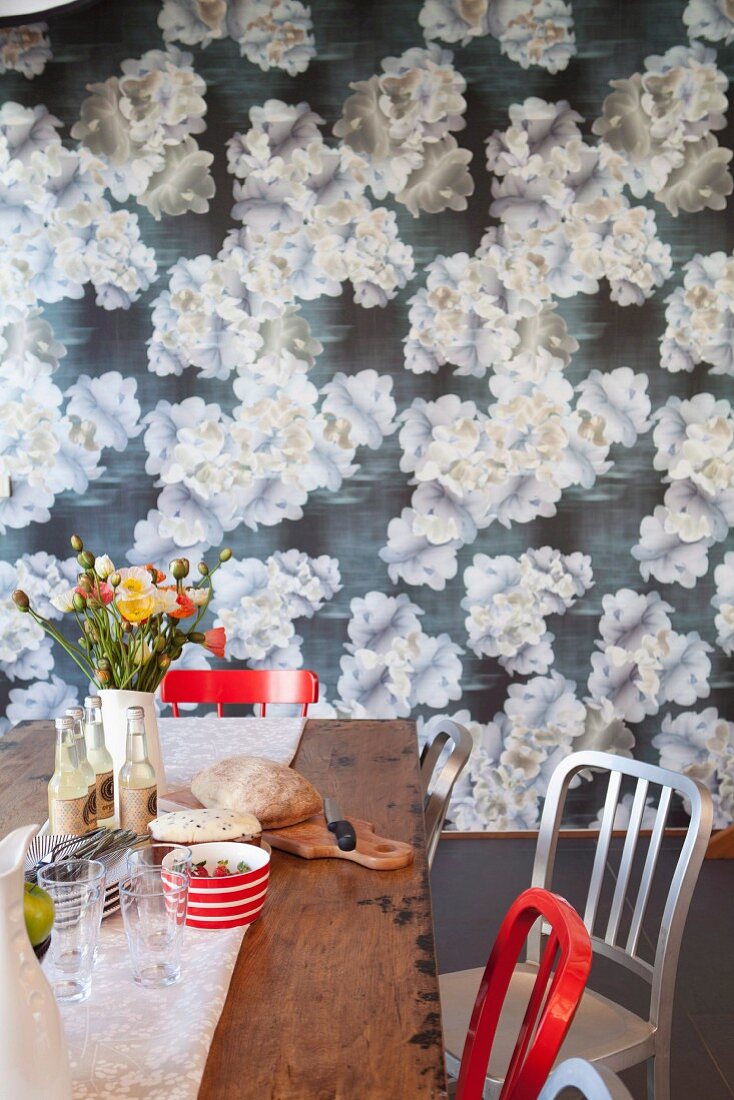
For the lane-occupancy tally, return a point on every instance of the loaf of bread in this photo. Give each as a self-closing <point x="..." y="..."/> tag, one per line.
<point x="205" y="826"/>
<point x="275" y="794"/>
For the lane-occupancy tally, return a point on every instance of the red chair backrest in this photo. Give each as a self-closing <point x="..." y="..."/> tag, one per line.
<point x="537" y="1047"/>
<point x="243" y="685"/>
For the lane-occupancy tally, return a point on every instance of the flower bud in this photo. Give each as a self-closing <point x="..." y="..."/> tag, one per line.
<point x="159" y="644"/>
<point x="104" y="664"/>
<point x="197" y="636"/>
<point x="85" y="582"/>
<point x="21" y="601"/>
<point x="103" y="567"/>
<point x="76" y="543"/>
<point x="175" y="654"/>
<point x="179" y="568"/>
<point x="103" y="676"/>
<point x="203" y="568"/>
<point x="79" y="601"/>
<point x="86" y="559"/>
<point x="225" y="554"/>
<point x="114" y="579"/>
<point x="164" y="660"/>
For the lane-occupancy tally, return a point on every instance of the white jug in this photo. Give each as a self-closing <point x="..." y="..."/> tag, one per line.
<point x="33" y="1061"/>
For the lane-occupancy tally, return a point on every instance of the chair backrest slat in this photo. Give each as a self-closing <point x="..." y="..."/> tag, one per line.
<point x="628" y="856"/>
<point x="592" y="1082"/>
<point x="602" y="849"/>
<point x="240" y="686"/>
<point x="437" y="786"/>
<point x="648" y="871"/>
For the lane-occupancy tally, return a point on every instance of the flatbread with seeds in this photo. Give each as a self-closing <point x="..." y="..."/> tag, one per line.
<point x="205" y="826"/>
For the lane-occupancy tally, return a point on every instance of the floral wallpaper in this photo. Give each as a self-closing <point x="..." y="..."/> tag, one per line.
<point x="427" y="310"/>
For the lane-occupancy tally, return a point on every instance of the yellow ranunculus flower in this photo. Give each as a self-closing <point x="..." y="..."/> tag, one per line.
<point x="135" y="594"/>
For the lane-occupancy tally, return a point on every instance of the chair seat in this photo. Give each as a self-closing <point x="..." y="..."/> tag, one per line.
<point x="602" y="1031"/>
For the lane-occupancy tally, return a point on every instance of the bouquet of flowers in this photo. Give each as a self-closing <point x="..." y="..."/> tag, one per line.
<point x="133" y="622"/>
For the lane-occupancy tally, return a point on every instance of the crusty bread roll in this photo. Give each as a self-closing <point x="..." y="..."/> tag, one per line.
<point x="205" y="826"/>
<point x="275" y="794"/>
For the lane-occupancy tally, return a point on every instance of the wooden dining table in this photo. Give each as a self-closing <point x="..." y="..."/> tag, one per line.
<point x="334" y="995"/>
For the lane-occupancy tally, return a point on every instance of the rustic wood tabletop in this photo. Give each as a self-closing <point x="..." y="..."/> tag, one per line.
<point x="334" y="995"/>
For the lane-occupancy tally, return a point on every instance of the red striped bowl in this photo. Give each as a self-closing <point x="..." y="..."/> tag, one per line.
<point x="229" y="901"/>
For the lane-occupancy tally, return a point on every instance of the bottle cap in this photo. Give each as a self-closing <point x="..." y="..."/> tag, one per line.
<point x="75" y="712"/>
<point x="93" y="701"/>
<point x="135" y="712"/>
<point x="64" y="722"/>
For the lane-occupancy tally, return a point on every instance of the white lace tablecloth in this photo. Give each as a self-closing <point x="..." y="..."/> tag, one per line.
<point x="128" y="1042"/>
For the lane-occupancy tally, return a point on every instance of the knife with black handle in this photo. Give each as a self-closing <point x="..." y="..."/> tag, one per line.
<point x="343" y="830"/>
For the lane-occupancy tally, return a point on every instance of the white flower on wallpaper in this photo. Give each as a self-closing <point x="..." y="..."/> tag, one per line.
<point x="258" y="465"/>
<point x="710" y="19"/>
<point x="272" y="34"/>
<point x="25" y="49"/>
<point x="662" y="122"/>
<point x="46" y="448"/>
<point x="391" y="665"/>
<point x="25" y="649"/>
<point x="509" y="465"/>
<point x="57" y="230"/>
<point x="561" y="202"/>
<point x="257" y="602"/>
<point x="702" y="746"/>
<point x="399" y="126"/>
<point x="530" y="32"/>
<point x="515" y="754"/>
<point x="643" y="662"/>
<point x="308" y="226"/>
<point x="695" y="451"/>
<point x="723" y="601"/>
<point x="700" y="317"/>
<point x="41" y="699"/>
<point x="509" y="599"/>
<point x="139" y="127"/>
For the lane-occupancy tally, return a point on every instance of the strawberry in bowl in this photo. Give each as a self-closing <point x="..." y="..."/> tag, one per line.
<point x="227" y="884"/>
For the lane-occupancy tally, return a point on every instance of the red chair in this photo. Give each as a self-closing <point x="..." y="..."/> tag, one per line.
<point x="242" y="685"/>
<point x="553" y="999"/>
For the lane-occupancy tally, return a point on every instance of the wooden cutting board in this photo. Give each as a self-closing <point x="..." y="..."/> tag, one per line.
<point x="311" y="839"/>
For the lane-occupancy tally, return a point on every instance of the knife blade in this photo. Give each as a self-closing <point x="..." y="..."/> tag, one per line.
<point x="343" y="830"/>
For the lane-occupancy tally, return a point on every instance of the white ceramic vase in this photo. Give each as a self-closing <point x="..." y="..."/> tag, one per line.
<point x="114" y="718"/>
<point x="34" y="1060"/>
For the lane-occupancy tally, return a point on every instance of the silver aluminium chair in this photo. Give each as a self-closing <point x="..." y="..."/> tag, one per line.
<point x="437" y="785"/>
<point x="604" y="1032"/>
<point x="592" y="1082"/>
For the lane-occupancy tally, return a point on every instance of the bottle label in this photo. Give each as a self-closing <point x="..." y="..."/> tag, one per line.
<point x="90" y="813"/>
<point x="105" y="795"/>
<point x="138" y="806"/>
<point x="69" y="815"/>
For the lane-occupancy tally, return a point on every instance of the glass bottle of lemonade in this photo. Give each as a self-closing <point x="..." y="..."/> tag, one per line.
<point x="77" y="716"/>
<point x="101" y="761"/>
<point x="137" y="783"/>
<point x="68" y="791"/>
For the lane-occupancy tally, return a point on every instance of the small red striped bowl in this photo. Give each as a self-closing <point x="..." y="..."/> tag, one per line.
<point x="228" y="901"/>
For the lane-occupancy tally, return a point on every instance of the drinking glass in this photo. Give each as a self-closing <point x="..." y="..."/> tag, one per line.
<point x="76" y="887"/>
<point x="175" y="857"/>
<point x="153" y="902"/>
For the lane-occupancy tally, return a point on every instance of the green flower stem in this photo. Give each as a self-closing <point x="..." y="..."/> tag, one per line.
<point x="76" y="654"/>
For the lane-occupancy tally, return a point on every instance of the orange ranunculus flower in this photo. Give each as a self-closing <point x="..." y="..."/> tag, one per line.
<point x="177" y="605"/>
<point x="215" y="640"/>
